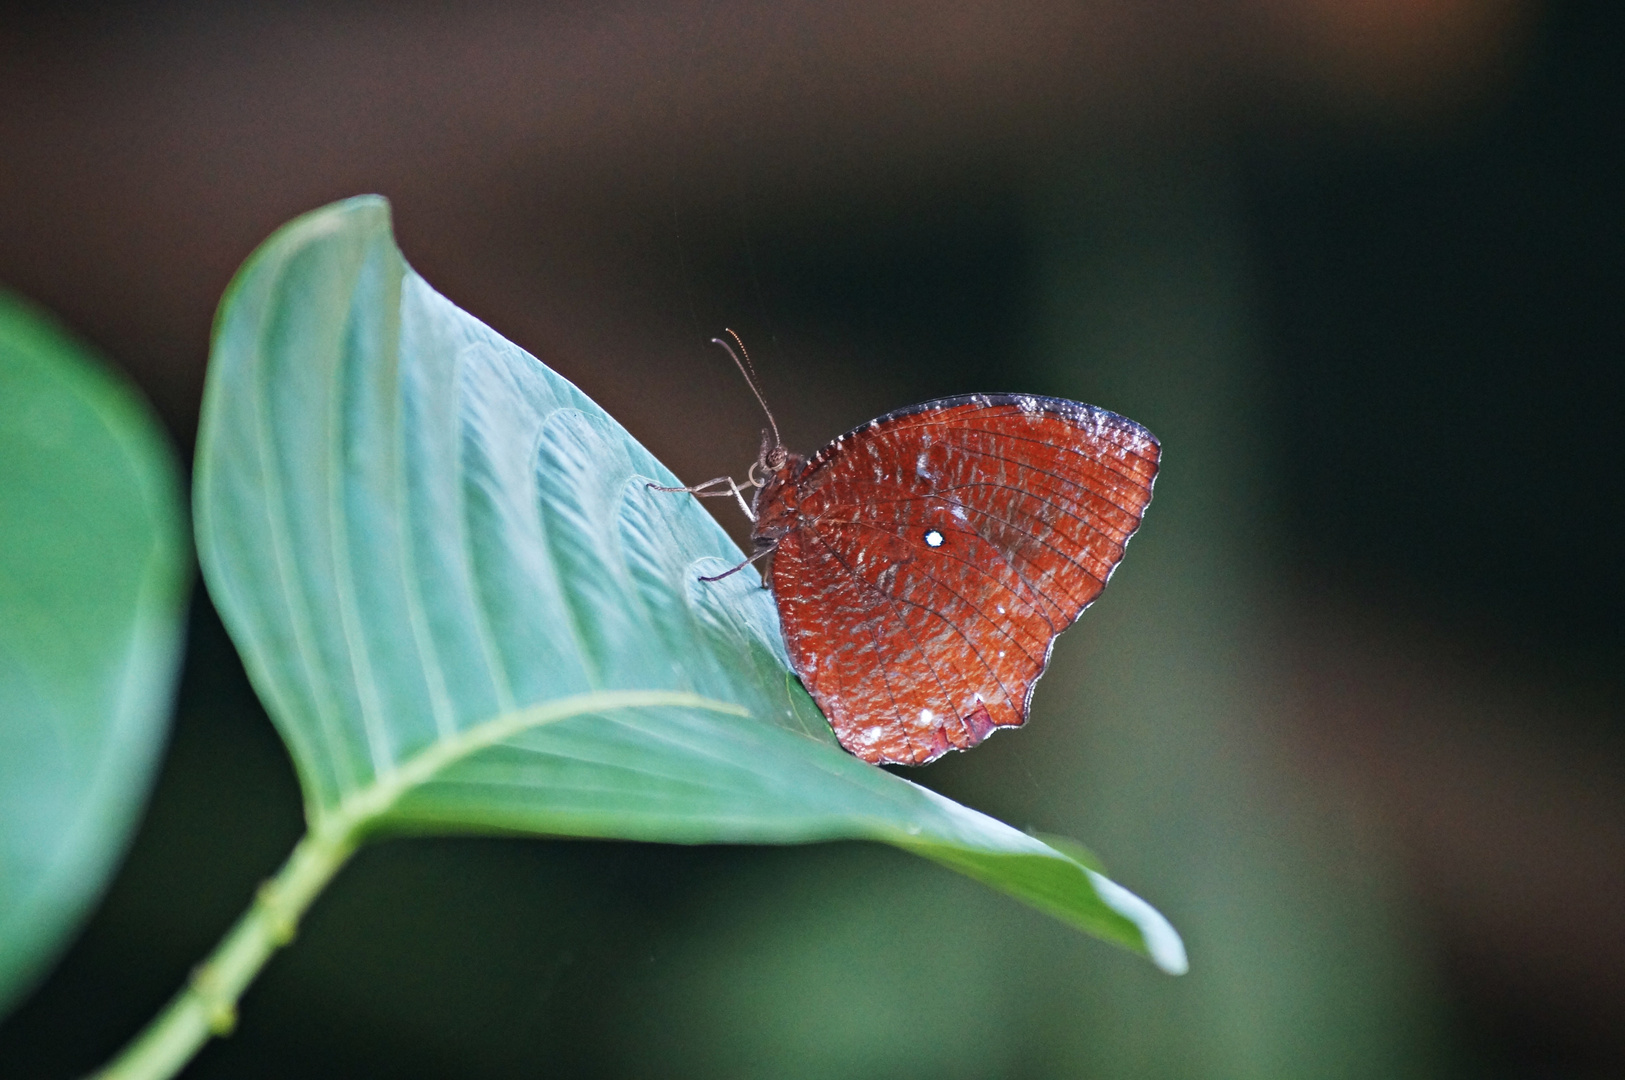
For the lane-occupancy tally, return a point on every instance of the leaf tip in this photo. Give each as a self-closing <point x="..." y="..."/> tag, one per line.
<point x="365" y="213"/>
<point x="1163" y="944"/>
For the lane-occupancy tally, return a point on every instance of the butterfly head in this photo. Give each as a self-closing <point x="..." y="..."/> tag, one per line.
<point x="774" y="475"/>
<point x="770" y="459"/>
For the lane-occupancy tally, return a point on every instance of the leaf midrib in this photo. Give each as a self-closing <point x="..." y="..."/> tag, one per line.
<point x="366" y="805"/>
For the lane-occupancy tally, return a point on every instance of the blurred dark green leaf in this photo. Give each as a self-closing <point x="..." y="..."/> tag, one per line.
<point x="466" y="611"/>
<point x="94" y="572"/>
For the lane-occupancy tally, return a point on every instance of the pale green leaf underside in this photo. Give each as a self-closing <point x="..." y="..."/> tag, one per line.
<point x="94" y="567"/>
<point x="466" y="611"/>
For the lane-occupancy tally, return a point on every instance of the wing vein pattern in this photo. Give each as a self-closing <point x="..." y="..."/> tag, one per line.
<point x="940" y="549"/>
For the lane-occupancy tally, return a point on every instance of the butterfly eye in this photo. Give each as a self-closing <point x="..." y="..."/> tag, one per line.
<point x="933" y="538"/>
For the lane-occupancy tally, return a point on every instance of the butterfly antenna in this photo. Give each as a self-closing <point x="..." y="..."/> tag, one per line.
<point x="749" y="372"/>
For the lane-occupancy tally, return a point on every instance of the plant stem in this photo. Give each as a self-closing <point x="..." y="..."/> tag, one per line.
<point x="207" y="1005"/>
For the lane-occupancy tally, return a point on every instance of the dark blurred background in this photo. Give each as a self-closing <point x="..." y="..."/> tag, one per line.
<point x="1351" y="713"/>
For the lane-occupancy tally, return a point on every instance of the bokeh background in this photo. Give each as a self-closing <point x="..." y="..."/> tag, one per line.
<point x="1352" y="711"/>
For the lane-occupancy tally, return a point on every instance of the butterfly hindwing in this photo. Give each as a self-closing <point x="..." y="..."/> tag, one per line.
<point x="940" y="550"/>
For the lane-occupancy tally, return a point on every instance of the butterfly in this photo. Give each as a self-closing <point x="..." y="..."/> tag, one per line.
<point x="924" y="562"/>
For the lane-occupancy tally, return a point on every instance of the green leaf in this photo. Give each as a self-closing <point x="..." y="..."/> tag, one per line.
<point x="466" y="610"/>
<point x="94" y="573"/>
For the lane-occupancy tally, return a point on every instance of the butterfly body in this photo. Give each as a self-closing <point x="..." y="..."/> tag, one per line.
<point x="924" y="563"/>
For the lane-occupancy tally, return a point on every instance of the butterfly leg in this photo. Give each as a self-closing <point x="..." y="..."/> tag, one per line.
<point x="701" y="491"/>
<point x="735" y="569"/>
<point x="697" y="489"/>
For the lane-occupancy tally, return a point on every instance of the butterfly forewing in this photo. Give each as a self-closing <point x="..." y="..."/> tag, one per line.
<point x="939" y="551"/>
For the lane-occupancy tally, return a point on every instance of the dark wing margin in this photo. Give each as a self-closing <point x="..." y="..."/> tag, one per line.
<point x="1077" y="412"/>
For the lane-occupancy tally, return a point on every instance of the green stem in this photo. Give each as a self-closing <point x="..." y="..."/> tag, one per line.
<point x="207" y="1005"/>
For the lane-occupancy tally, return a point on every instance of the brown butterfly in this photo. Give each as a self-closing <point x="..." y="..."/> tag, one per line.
<point x="924" y="562"/>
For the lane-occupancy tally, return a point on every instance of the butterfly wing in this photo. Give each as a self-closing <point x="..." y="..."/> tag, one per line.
<point x="940" y="550"/>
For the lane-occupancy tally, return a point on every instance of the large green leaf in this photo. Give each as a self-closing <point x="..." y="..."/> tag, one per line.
<point x="466" y="610"/>
<point x="94" y="569"/>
